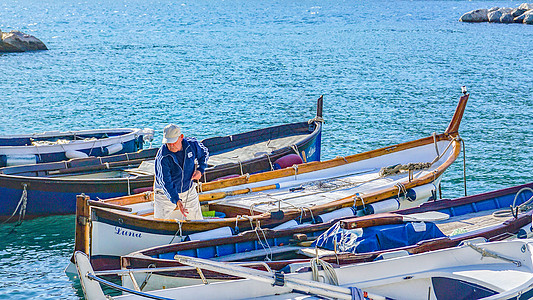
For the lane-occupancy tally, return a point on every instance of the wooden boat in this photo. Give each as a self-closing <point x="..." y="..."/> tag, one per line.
<point x="316" y="190"/>
<point x="494" y="270"/>
<point x="359" y="239"/>
<point x="55" y="146"/>
<point x="51" y="188"/>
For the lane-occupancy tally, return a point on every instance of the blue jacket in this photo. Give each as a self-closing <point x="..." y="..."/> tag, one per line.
<point x="173" y="173"/>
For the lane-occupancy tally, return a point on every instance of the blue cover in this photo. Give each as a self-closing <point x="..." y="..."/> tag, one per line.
<point x="376" y="238"/>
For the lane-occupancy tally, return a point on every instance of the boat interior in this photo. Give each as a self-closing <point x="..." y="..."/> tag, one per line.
<point x="145" y="167"/>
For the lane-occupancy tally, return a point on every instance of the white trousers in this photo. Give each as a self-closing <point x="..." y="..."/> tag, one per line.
<point x="165" y="209"/>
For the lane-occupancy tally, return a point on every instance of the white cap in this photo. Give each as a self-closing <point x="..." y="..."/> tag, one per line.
<point x="171" y="133"/>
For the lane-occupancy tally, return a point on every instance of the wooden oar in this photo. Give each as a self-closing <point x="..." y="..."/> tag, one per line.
<point x="205" y="198"/>
<point x="313" y="287"/>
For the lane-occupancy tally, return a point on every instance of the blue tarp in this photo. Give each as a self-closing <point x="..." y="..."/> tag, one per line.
<point x="376" y="238"/>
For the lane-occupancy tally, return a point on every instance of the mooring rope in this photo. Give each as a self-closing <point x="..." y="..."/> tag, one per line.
<point x="329" y="272"/>
<point x="22" y="205"/>
<point x="180" y="232"/>
<point x="269" y="251"/>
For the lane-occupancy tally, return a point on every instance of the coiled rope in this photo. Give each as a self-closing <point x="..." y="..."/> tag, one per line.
<point x="514" y="210"/>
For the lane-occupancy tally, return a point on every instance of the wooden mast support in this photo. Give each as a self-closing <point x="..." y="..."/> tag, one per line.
<point x="453" y="128"/>
<point x="82" y="224"/>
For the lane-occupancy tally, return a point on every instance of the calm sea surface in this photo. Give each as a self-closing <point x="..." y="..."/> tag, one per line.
<point x="390" y="71"/>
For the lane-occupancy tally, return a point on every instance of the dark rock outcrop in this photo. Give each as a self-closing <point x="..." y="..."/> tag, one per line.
<point x="16" y="41"/>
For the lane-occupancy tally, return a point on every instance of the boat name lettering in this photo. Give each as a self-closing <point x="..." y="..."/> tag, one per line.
<point x="121" y="231"/>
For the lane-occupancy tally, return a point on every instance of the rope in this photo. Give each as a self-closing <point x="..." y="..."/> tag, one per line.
<point x="464" y="164"/>
<point x="329" y="271"/>
<point x="175" y="234"/>
<point x="240" y="165"/>
<point x="435" y="143"/>
<point x="270" y="162"/>
<point x="316" y="119"/>
<point x="295" y="148"/>
<point x="487" y="253"/>
<point x="402" y="190"/>
<point x="302" y="209"/>
<point x="457" y="138"/>
<point x="514" y="210"/>
<point x="396" y="169"/>
<point x="22" y="205"/>
<point x="343" y="158"/>
<point x="269" y="251"/>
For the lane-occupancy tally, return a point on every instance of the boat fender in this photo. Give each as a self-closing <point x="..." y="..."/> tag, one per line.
<point x="75" y="154"/>
<point x="286" y="225"/>
<point x="277" y="215"/>
<point x="525" y="232"/>
<point x="112" y="149"/>
<point x="336" y="214"/>
<point x="210" y="234"/>
<point x="287" y="161"/>
<point x="382" y="206"/>
<point x="17" y="160"/>
<point x="426" y="191"/>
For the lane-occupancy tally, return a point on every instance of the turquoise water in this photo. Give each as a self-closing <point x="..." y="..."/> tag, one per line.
<point x="390" y="71"/>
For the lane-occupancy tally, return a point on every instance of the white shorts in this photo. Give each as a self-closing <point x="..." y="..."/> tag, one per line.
<point x="165" y="209"/>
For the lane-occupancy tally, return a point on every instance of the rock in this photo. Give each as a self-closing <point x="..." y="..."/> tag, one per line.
<point x="494" y="16"/>
<point x="16" y="41"/>
<point x="520" y="19"/>
<point x="518" y="12"/>
<point x="478" y="15"/>
<point x="528" y="17"/>
<point x="506" y="18"/>
<point x="495" y="8"/>
<point x="526" y="6"/>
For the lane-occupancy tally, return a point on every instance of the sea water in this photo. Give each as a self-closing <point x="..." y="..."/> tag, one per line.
<point x="390" y="71"/>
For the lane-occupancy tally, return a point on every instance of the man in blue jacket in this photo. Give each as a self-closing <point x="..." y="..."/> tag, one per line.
<point x="177" y="163"/>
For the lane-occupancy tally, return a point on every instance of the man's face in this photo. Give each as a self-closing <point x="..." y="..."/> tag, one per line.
<point x="175" y="147"/>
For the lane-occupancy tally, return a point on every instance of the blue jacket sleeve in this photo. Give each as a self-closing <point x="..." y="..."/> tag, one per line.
<point x="169" y="187"/>
<point x="202" y="155"/>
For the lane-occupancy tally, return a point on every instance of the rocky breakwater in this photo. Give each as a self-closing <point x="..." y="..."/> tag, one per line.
<point x="521" y="14"/>
<point x="16" y="41"/>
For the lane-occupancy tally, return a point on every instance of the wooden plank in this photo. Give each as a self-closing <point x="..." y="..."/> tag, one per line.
<point x="257" y="253"/>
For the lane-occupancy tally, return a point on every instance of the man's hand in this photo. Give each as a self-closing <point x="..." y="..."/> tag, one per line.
<point x="196" y="175"/>
<point x="182" y="209"/>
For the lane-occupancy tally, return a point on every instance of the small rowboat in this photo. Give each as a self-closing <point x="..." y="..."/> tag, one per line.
<point x="51" y="188"/>
<point x="350" y="240"/>
<point x="495" y="270"/>
<point x="57" y="146"/>
<point x="317" y="190"/>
